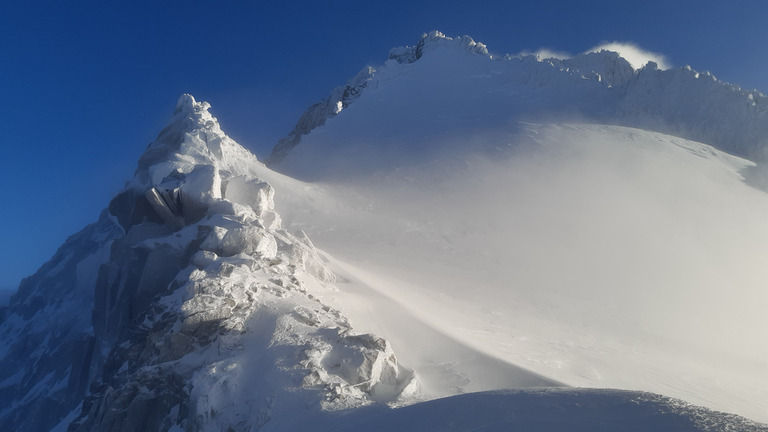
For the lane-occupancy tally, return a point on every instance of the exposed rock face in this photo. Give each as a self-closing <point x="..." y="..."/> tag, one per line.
<point x="185" y="306"/>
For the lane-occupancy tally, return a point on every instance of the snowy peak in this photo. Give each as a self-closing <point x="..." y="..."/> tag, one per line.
<point x="189" y="284"/>
<point x="193" y="137"/>
<point x="185" y="172"/>
<point x="187" y="104"/>
<point x="456" y="78"/>
<point x="189" y="116"/>
<point x="435" y="40"/>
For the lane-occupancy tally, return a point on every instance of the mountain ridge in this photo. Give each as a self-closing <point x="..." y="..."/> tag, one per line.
<point x="648" y="97"/>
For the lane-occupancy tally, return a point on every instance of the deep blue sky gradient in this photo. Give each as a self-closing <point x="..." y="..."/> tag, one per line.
<point x="85" y="86"/>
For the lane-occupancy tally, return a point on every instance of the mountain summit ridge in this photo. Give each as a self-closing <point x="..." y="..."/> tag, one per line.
<point x="598" y="86"/>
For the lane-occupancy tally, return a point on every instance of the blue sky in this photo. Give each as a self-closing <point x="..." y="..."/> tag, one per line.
<point x="87" y="85"/>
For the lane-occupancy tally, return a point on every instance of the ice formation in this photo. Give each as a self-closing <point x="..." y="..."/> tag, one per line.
<point x="203" y="315"/>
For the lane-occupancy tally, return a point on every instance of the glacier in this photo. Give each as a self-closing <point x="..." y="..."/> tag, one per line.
<point x="495" y="242"/>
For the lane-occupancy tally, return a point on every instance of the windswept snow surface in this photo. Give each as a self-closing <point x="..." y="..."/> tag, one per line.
<point x="597" y="256"/>
<point x="500" y="204"/>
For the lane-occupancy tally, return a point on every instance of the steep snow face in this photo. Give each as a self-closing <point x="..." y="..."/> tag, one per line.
<point x="440" y="83"/>
<point x="205" y="313"/>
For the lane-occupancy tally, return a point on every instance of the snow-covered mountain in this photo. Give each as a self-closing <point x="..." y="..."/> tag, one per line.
<point x="477" y="224"/>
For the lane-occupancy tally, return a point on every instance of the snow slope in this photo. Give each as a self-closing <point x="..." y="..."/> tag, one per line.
<point x="606" y="257"/>
<point x="500" y="203"/>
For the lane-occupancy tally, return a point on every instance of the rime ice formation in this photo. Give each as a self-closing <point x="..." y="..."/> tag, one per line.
<point x="595" y="86"/>
<point x="203" y="314"/>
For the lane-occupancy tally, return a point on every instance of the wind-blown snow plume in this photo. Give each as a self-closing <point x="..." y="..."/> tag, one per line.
<point x="636" y="56"/>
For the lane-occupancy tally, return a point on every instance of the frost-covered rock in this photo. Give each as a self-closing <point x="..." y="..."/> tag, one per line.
<point x="199" y="306"/>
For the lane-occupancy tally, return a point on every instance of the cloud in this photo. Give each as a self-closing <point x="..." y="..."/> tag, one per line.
<point x="636" y="56"/>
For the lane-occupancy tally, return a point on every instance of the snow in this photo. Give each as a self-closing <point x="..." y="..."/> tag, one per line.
<point x="594" y="259"/>
<point x="513" y="217"/>
<point x="407" y="97"/>
<point x="533" y="228"/>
